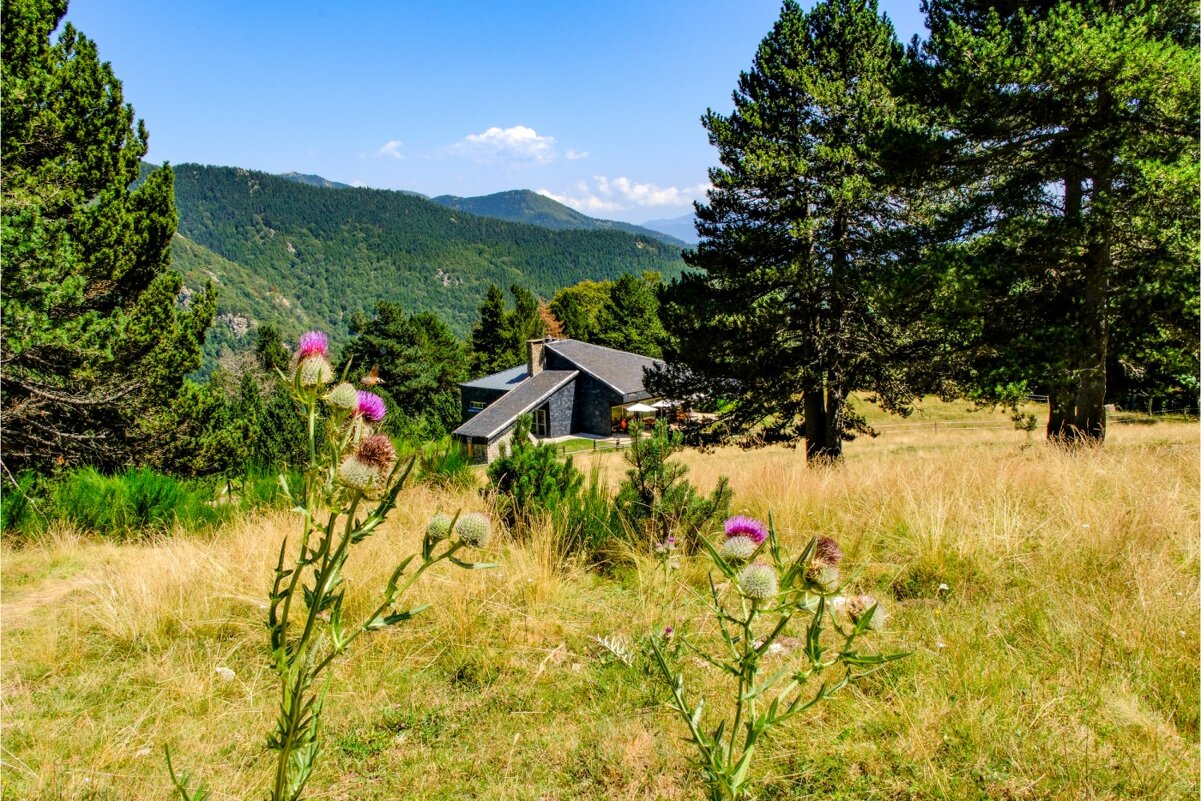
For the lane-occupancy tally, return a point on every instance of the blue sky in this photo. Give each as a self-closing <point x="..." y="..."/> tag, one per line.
<point x="594" y="103"/>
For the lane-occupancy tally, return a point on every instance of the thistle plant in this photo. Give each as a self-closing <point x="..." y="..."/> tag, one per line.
<point x="757" y="596"/>
<point x="350" y="486"/>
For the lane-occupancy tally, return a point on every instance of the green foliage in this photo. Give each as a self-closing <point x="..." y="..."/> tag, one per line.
<point x="445" y="464"/>
<point x="301" y="257"/>
<point x="93" y="343"/>
<point x="588" y="524"/>
<point x="629" y="318"/>
<point x="420" y="363"/>
<point x="753" y="606"/>
<point x="802" y="295"/>
<point x="656" y="501"/>
<point x="1071" y="143"/>
<point x="528" y="478"/>
<point x="578" y="307"/>
<point x="498" y="338"/>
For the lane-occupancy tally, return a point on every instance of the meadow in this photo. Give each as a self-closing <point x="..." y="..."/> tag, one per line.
<point x="1049" y="599"/>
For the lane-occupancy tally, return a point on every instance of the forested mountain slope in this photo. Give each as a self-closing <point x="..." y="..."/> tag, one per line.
<point x="299" y="255"/>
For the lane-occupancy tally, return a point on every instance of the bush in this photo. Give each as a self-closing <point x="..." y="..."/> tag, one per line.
<point x="134" y="502"/>
<point x="445" y="464"/>
<point x="529" y="478"/>
<point x="587" y="524"/>
<point x="656" y="500"/>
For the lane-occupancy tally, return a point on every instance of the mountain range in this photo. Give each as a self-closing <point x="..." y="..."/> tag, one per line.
<point x="301" y="252"/>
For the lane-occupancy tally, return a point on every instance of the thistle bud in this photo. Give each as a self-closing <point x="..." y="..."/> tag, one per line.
<point x="822" y="575"/>
<point x="473" y="529"/>
<point x="738" y="549"/>
<point x="377" y="451"/>
<point x="357" y="474"/>
<point x="759" y="581"/>
<point x="343" y="396"/>
<point x="858" y="606"/>
<point x="439" y="527"/>
<point x="315" y="371"/>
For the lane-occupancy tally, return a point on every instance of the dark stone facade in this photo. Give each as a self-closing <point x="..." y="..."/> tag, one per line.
<point x="560" y="408"/>
<point x="592" y="402"/>
<point x="479" y="395"/>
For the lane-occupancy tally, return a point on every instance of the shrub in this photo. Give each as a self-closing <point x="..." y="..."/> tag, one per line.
<point x="588" y="523"/>
<point x="529" y="478"/>
<point x="658" y="502"/>
<point x="445" y="464"/>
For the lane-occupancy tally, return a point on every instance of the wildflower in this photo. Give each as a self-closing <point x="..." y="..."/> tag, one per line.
<point x="377" y="451"/>
<point x="439" y="527"/>
<point x="474" y="529"/>
<point x="758" y="581"/>
<point x="859" y="606"/>
<point x="225" y="674"/>
<point x="370" y="406"/>
<point x="742" y="526"/>
<point x="357" y="474"/>
<point x="738" y="549"/>
<point x="314" y="343"/>
<point x="343" y="396"/>
<point x="822" y="575"/>
<point x="827" y="551"/>
<point x="315" y="371"/>
<point x="668" y="632"/>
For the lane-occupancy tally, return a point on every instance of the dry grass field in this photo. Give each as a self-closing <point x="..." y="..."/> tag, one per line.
<point x="1049" y="599"/>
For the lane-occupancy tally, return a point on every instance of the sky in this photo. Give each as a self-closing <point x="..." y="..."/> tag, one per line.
<point x="596" y="104"/>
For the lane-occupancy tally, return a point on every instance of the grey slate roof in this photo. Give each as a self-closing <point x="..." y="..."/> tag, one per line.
<point x="617" y="368"/>
<point x="525" y="396"/>
<point x="504" y="380"/>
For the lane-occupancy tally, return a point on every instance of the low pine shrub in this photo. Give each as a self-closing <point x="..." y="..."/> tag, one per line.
<point x="445" y="464"/>
<point x="587" y="525"/>
<point x="529" y="479"/>
<point x="136" y="502"/>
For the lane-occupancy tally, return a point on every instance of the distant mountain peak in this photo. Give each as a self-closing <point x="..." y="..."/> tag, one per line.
<point x="531" y="208"/>
<point x="314" y="180"/>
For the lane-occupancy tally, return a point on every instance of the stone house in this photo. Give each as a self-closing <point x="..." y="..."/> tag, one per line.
<point x="569" y="387"/>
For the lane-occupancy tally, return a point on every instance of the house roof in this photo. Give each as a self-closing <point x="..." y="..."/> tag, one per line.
<point x="619" y="369"/>
<point x="495" y="418"/>
<point x="504" y="380"/>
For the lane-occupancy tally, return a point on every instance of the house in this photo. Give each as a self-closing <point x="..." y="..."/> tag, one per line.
<point x="568" y="386"/>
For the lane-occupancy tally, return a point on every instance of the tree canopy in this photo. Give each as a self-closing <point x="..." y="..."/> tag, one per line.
<point x="94" y="344"/>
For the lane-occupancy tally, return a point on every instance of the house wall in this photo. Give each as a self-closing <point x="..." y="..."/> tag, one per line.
<point x="469" y="394"/>
<point x="592" y="402"/>
<point x="561" y="411"/>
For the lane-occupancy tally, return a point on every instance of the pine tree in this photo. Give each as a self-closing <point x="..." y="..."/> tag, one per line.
<point x="629" y="319"/>
<point x="786" y="313"/>
<point x="498" y="338"/>
<point x="93" y="345"/>
<point x="1073" y="130"/>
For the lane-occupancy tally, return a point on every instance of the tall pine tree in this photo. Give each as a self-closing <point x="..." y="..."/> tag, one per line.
<point x="1072" y="135"/>
<point x="93" y="345"/>
<point x="786" y="311"/>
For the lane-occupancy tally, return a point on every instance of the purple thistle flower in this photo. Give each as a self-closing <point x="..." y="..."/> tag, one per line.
<point x="314" y="343"/>
<point x="742" y="526"/>
<point x="667" y="632"/>
<point x="371" y="406"/>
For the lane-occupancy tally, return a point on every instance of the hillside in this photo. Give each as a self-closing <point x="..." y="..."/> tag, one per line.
<point x="298" y="255"/>
<point x="522" y="205"/>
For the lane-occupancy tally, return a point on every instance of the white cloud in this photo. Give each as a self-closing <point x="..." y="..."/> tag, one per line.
<point x="518" y="143"/>
<point x="575" y="155"/>
<point x="390" y="148"/>
<point x="621" y="194"/>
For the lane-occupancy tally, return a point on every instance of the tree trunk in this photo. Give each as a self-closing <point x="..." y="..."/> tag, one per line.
<point x="823" y="445"/>
<point x="1061" y="424"/>
<point x="1094" y="319"/>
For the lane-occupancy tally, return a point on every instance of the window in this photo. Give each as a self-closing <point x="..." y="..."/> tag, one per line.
<point x="541" y="425"/>
<point x="475" y="406"/>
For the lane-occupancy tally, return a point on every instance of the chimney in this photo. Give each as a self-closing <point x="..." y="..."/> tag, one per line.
<point x="537" y="356"/>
